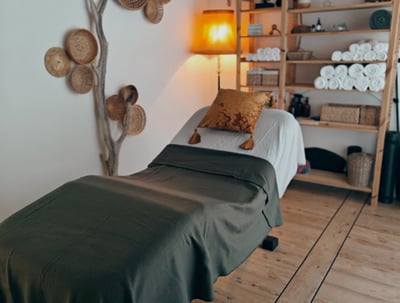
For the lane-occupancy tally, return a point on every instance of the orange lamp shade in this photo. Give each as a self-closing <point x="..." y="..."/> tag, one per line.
<point x="215" y="34"/>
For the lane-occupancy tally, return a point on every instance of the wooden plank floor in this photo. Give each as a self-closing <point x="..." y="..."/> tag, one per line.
<point x="333" y="247"/>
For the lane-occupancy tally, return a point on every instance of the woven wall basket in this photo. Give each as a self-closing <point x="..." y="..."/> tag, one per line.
<point x="57" y="62"/>
<point x="82" y="46"/>
<point x="129" y="94"/>
<point x="137" y="120"/>
<point x="116" y="107"/>
<point x="132" y="4"/>
<point x="154" y="11"/>
<point x="82" y="79"/>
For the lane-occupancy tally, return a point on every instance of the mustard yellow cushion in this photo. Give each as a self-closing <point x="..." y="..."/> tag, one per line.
<point x="236" y="111"/>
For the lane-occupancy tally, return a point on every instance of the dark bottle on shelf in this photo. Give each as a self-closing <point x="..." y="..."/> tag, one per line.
<point x="306" y="108"/>
<point x="298" y="109"/>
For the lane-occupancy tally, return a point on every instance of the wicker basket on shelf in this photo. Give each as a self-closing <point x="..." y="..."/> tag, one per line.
<point x="299" y="55"/>
<point x="359" y="166"/>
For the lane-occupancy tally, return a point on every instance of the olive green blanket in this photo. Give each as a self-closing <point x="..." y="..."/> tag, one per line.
<point x="162" y="235"/>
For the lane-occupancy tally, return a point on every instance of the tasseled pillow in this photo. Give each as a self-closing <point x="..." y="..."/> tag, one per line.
<point x="236" y="111"/>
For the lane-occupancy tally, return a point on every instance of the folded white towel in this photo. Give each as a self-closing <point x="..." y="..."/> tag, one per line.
<point x="341" y="70"/>
<point x="362" y="83"/>
<point x="336" y="56"/>
<point x="347" y="56"/>
<point x="356" y="70"/>
<point x="327" y="71"/>
<point x="347" y="83"/>
<point x="373" y="70"/>
<point x="334" y="83"/>
<point x="321" y="83"/>
<point x="376" y="83"/>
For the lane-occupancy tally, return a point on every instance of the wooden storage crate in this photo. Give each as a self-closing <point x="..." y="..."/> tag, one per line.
<point x="343" y="113"/>
<point x="254" y="78"/>
<point x="369" y="114"/>
<point x="270" y="77"/>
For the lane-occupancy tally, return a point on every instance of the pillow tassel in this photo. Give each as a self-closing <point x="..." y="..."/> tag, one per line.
<point x="195" y="138"/>
<point x="248" y="144"/>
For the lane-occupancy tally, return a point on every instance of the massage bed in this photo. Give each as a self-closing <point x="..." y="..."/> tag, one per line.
<point x="164" y="234"/>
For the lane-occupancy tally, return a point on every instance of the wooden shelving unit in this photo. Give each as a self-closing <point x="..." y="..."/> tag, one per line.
<point x="288" y="41"/>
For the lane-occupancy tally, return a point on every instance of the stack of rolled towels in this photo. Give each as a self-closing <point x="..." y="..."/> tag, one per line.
<point x="356" y="76"/>
<point x="265" y="54"/>
<point x="370" y="50"/>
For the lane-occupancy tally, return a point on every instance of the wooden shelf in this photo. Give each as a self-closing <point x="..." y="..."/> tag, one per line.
<point x="337" y="125"/>
<point x="329" y="33"/>
<point x="330" y="179"/>
<point x="309" y="86"/>
<point x="262" y="10"/>
<point x="327" y="61"/>
<point x="365" y="5"/>
<point x="289" y="81"/>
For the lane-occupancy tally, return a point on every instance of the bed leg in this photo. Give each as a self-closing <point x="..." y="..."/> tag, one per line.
<point x="270" y="243"/>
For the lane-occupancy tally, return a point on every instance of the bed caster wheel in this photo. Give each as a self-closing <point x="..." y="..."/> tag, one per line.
<point x="270" y="243"/>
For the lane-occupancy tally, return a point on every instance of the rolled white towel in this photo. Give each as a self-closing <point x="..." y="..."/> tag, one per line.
<point x="336" y="55"/>
<point x="334" y="83"/>
<point x="358" y="56"/>
<point x="356" y="70"/>
<point x="249" y="57"/>
<point x="321" y="83"/>
<point x="365" y="47"/>
<point x="347" y="83"/>
<point x="376" y="83"/>
<point x="276" y="57"/>
<point x="341" y="70"/>
<point x="370" y="56"/>
<point x="382" y="66"/>
<point x="354" y="47"/>
<point x="361" y="83"/>
<point x="347" y="56"/>
<point x="373" y="70"/>
<point x="381" y="47"/>
<point x="381" y="56"/>
<point x="276" y="50"/>
<point x="327" y="71"/>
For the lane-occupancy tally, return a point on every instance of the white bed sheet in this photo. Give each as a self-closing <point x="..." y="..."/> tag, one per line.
<point x="278" y="139"/>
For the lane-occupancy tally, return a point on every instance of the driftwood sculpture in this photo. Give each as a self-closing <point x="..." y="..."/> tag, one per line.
<point x="90" y="73"/>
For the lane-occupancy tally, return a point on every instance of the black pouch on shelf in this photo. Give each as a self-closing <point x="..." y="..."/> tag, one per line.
<point x="325" y="160"/>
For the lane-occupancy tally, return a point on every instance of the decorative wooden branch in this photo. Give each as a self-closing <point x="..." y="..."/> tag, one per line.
<point x="83" y="51"/>
<point x="110" y="148"/>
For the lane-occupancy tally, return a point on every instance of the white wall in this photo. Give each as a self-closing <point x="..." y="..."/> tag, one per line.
<point x="47" y="132"/>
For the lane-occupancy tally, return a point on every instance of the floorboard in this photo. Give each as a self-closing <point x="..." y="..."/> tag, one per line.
<point x="332" y="248"/>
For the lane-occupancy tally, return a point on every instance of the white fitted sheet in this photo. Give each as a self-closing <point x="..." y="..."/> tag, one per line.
<point x="278" y="139"/>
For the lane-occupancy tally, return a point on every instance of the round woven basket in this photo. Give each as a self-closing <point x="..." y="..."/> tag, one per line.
<point x="154" y="11"/>
<point x="82" y="46"/>
<point x="116" y="107"/>
<point x="82" y="79"/>
<point x="129" y="94"/>
<point x="132" y="4"/>
<point x="137" y="120"/>
<point x="359" y="166"/>
<point x="57" y="62"/>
